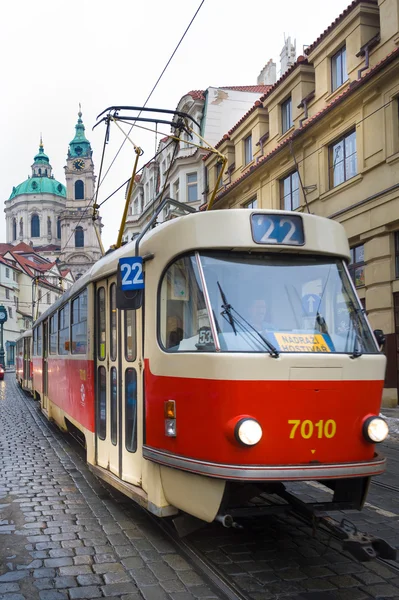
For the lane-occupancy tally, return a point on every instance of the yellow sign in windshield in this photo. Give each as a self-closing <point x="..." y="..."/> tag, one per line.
<point x="301" y="342"/>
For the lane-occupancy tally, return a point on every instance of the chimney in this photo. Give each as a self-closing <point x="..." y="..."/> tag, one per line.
<point x="287" y="55"/>
<point x="267" y="76"/>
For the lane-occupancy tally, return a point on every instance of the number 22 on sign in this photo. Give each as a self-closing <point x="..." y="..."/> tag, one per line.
<point x="307" y="429"/>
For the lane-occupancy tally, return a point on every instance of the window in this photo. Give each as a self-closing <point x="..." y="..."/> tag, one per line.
<point x="183" y="306"/>
<point x="343" y="159"/>
<point x="7" y="293"/>
<point x="59" y="228"/>
<point x="113" y="380"/>
<point x="48" y="226"/>
<point x="79" y="237"/>
<point x="14" y="276"/>
<point x="14" y="229"/>
<point x="248" y="149"/>
<point x="252" y="203"/>
<point x="286" y="115"/>
<point x="112" y="322"/>
<point x="16" y="301"/>
<point x="289" y="191"/>
<point x="356" y="265"/>
<point x="130" y="335"/>
<point x="101" y="347"/>
<point x="35" y="226"/>
<point x="48" y="298"/>
<point x="7" y="273"/>
<point x="79" y="190"/>
<point x="39" y="340"/>
<point x="192" y="187"/>
<point x="10" y="312"/>
<point x="338" y="69"/>
<point x="63" y="326"/>
<point x="79" y="324"/>
<point x="21" y="227"/>
<point x="218" y="170"/>
<point x="397" y="254"/>
<point x="131" y="410"/>
<point x="34" y="344"/>
<point x="53" y="334"/>
<point x="176" y="190"/>
<point x="304" y="287"/>
<point x="102" y="404"/>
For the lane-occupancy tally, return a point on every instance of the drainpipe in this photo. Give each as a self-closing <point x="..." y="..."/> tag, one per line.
<point x="365" y="51"/>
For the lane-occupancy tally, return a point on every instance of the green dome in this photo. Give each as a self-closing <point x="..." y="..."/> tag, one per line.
<point x="39" y="185"/>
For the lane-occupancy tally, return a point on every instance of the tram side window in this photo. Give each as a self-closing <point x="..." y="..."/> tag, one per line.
<point x="63" y="326"/>
<point x="184" y="321"/>
<point x="101" y="333"/>
<point x="79" y="324"/>
<point x="53" y="334"/>
<point x="39" y="340"/>
<point x="112" y="321"/>
<point x="131" y="410"/>
<point x="102" y="404"/>
<point x="114" y="406"/>
<point x="130" y="335"/>
<point x="35" y="342"/>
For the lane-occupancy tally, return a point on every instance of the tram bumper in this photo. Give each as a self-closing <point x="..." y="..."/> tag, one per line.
<point x="301" y="472"/>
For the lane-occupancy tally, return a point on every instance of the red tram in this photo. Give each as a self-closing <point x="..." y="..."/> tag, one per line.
<point x="246" y="360"/>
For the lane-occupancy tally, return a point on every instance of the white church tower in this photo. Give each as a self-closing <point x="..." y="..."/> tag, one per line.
<point x="80" y="247"/>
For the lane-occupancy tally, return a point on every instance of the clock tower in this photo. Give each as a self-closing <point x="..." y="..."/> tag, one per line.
<point x="80" y="248"/>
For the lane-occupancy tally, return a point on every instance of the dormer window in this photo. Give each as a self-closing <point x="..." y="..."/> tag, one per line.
<point x="248" y="149"/>
<point x="286" y="115"/>
<point x="339" y="73"/>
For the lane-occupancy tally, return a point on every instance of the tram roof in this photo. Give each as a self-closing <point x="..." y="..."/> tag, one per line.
<point x="215" y="229"/>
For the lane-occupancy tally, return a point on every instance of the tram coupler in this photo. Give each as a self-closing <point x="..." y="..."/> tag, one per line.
<point x="228" y="521"/>
<point x="363" y="546"/>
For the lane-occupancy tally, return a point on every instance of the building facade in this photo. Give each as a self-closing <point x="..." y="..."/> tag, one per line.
<point x="325" y="138"/>
<point x="54" y="219"/>
<point x="178" y="171"/>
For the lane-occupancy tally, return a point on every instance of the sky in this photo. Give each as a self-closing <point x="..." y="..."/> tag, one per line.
<point x="57" y="54"/>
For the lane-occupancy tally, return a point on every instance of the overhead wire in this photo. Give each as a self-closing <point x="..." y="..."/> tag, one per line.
<point x="154" y="87"/>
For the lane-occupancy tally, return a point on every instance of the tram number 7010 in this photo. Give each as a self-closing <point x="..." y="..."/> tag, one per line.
<point x="307" y="429"/>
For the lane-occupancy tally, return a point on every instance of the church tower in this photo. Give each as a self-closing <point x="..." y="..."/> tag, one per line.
<point x="80" y="248"/>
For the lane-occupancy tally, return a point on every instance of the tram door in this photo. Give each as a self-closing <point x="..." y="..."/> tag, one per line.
<point x="119" y="390"/>
<point x="45" y="366"/>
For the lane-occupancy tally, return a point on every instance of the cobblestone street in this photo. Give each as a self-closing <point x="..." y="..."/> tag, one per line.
<point x="65" y="536"/>
<point x="61" y="534"/>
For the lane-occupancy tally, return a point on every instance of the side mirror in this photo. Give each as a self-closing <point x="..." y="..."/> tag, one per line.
<point x="380" y="337"/>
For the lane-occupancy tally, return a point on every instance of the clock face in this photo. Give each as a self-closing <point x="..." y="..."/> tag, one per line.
<point x="79" y="164"/>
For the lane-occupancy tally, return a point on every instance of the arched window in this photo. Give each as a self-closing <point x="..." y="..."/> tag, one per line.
<point x="59" y="228"/>
<point x="79" y="237"/>
<point x="79" y="190"/>
<point x="40" y="171"/>
<point x="14" y="229"/>
<point x="35" y="226"/>
<point x="49" y="226"/>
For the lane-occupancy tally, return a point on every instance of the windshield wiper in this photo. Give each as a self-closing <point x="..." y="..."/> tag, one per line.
<point x="227" y="313"/>
<point x="227" y="308"/>
<point x="356" y="352"/>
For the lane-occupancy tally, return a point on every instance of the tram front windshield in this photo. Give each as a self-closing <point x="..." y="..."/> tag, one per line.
<point x="259" y="302"/>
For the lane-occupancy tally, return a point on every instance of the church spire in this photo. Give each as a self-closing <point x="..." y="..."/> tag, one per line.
<point x="80" y="145"/>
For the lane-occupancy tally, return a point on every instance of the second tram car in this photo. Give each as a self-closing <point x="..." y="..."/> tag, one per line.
<point x="248" y="362"/>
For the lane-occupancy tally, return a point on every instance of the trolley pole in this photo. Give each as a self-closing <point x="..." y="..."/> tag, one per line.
<point x="3" y="319"/>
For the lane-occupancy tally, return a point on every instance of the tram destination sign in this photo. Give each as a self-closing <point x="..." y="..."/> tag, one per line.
<point x="131" y="270"/>
<point x="277" y="229"/>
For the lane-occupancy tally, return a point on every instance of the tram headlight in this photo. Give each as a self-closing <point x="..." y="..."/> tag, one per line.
<point x="375" y="429"/>
<point x="248" y="432"/>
